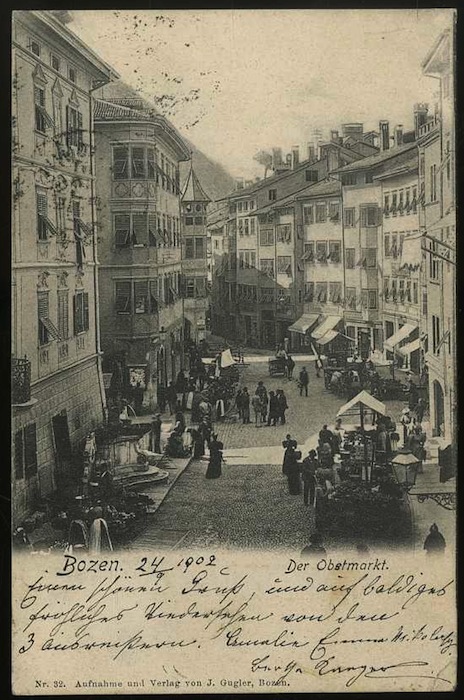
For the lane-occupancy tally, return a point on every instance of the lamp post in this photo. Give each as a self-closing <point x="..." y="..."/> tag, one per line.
<point x="405" y="466"/>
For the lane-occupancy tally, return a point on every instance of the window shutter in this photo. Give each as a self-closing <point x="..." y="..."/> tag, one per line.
<point x="42" y="204"/>
<point x="121" y="229"/>
<point x="123" y="297"/>
<point x="152" y="229"/>
<point x="75" y="322"/>
<point x="120" y="162"/>
<point x="18" y="455"/>
<point x="42" y="304"/>
<point x="30" y="450"/>
<point x="85" y="311"/>
<point x="153" y="296"/>
<point x="68" y="126"/>
<point x="139" y="229"/>
<point x="80" y="132"/>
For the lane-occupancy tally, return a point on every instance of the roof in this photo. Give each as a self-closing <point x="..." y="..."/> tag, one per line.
<point x="377" y="159"/>
<point x="433" y="51"/>
<point x="410" y="166"/>
<point x="109" y="111"/>
<point x="193" y="191"/>
<point x="266" y="182"/>
<point x="315" y="189"/>
<point x="349" y="150"/>
<point x="366" y="400"/>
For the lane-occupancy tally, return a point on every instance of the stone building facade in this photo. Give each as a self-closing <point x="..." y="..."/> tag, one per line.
<point x="57" y="384"/>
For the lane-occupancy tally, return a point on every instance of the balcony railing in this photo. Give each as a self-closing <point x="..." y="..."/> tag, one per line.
<point x="429" y="126"/>
<point x="20" y="380"/>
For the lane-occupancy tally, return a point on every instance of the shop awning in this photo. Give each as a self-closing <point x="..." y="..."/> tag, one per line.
<point x="304" y="323"/>
<point x="365" y="400"/>
<point x="330" y="335"/>
<point x="410" y="347"/>
<point x="400" y="335"/>
<point x="327" y="324"/>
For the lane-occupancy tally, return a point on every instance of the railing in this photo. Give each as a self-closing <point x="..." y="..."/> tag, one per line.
<point x="20" y="380"/>
<point x="429" y="126"/>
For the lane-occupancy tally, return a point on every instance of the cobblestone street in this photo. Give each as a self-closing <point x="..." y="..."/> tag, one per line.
<point x="249" y="506"/>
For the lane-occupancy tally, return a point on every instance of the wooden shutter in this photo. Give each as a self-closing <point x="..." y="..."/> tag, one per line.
<point x="152" y="229"/>
<point x="80" y="132"/>
<point x="120" y="162"/>
<point x="139" y="229"/>
<point x="42" y="304"/>
<point x="121" y="230"/>
<point x="85" y="311"/>
<point x="68" y="126"/>
<point x="19" y="455"/>
<point x="30" y="450"/>
<point x="123" y="297"/>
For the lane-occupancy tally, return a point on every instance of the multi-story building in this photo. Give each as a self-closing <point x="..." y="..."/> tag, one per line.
<point x="400" y="260"/>
<point x="137" y="168"/>
<point x="196" y="286"/>
<point x="57" y="383"/>
<point x="362" y="240"/>
<point x="324" y="289"/>
<point x="267" y="242"/>
<point x="437" y="220"/>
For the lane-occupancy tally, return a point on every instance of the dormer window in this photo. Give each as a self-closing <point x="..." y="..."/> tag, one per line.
<point x="34" y="46"/>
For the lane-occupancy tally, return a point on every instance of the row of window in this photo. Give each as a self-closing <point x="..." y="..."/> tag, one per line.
<point x="284" y="265"/>
<point x="72" y="132"/>
<point x="322" y="251"/>
<point x="139" y="162"/>
<point x="331" y="292"/>
<point x="320" y="212"/>
<point x="47" y="329"/>
<point x="400" y="202"/>
<point x="46" y="228"/>
<point x="143" y="296"/>
<point x="195" y="247"/>
<point x="357" y="178"/>
<point x="393" y="245"/>
<point x="400" y="290"/>
<point x="283" y="234"/>
<point x="241" y="206"/>
<point x="55" y="61"/>
<point x="195" y="220"/>
<point x="247" y="226"/>
<point x="146" y="229"/>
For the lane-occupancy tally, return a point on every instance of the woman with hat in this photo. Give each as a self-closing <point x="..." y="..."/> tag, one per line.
<point x="405" y="421"/>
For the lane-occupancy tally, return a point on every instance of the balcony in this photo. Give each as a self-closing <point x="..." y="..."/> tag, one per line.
<point x="20" y="381"/>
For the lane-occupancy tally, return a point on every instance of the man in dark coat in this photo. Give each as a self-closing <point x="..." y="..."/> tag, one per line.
<point x="171" y="396"/>
<point x="273" y="409"/>
<point x="304" y="381"/>
<point x="155" y="437"/>
<point x="308" y="474"/>
<point x="434" y="542"/>
<point x="282" y="405"/>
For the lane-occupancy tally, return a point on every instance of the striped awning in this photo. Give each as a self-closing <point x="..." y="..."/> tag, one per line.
<point x="330" y="335"/>
<point x="304" y="323"/>
<point x="410" y="347"/>
<point x="403" y="333"/>
<point x="327" y="324"/>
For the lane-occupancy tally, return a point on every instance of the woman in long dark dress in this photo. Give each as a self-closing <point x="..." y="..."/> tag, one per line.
<point x="215" y="458"/>
<point x="198" y="443"/>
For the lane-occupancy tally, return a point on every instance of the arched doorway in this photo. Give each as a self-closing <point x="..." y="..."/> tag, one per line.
<point x="439" y="408"/>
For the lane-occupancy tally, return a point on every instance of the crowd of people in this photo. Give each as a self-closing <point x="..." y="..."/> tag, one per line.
<point x="268" y="407"/>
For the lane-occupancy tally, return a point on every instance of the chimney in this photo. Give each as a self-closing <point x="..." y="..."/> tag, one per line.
<point x="295" y="157"/>
<point x="248" y="183"/>
<point x="384" y="129"/>
<point x="288" y="159"/>
<point x="334" y="136"/>
<point x="276" y="158"/>
<point x="257" y="178"/>
<point x="398" y="135"/>
<point x="311" y="153"/>
<point x="420" y="116"/>
<point x="239" y="183"/>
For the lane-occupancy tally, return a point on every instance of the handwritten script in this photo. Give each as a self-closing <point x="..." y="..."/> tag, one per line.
<point x="214" y="622"/>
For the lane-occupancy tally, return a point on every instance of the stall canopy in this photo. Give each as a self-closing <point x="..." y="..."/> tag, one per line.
<point x="330" y="335"/>
<point x="327" y="324"/>
<point x="403" y="333"/>
<point x="362" y="401"/>
<point x="226" y="359"/>
<point x="304" y="323"/>
<point x="410" y="347"/>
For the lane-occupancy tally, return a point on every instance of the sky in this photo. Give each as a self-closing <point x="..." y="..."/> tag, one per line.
<point x="239" y="81"/>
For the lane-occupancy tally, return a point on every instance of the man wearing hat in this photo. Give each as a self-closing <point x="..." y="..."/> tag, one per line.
<point x="155" y="437"/>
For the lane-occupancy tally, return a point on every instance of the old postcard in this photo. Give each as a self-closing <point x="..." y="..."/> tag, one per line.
<point x="233" y="351"/>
